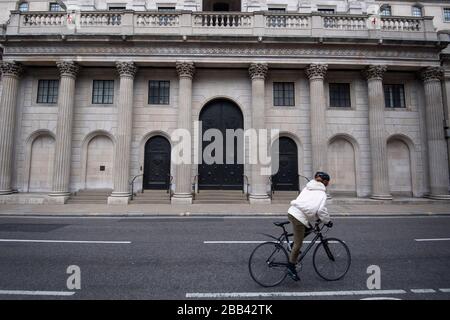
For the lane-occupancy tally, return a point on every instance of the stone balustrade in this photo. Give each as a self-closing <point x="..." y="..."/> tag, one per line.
<point x="185" y="23"/>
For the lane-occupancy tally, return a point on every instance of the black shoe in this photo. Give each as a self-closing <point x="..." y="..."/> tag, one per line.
<point x="292" y="272"/>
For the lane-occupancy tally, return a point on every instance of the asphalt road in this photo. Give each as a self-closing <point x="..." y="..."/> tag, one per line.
<point x="167" y="258"/>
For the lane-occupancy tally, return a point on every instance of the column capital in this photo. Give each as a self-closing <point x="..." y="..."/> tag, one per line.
<point x="68" y="68"/>
<point x="258" y="70"/>
<point x="316" y="71"/>
<point x="374" y="72"/>
<point x="432" y="74"/>
<point x="11" y="68"/>
<point x="185" y="69"/>
<point x="126" y="69"/>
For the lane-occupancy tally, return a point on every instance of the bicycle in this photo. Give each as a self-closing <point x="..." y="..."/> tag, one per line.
<point x="269" y="260"/>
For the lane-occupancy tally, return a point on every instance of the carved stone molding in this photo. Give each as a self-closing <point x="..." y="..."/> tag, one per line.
<point x="316" y="71"/>
<point x="68" y="68"/>
<point x="11" y="69"/>
<point x="185" y="69"/>
<point x="126" y="69"/>
<point x="432" y="74"/>
<point x="258" y="70"/>
<point x="374" y="72"/>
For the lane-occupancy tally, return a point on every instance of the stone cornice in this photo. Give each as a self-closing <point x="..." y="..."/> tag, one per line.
<point x="126" y="69"/>
<point x="432" y="74"/>
<point x="11" y="69"/>
<point x="316" y="71"/>
<point x="374" y="72"/>
<point x="68" y="68"/>
<point x="185" y="69"/>
<point x="258" y="70"/>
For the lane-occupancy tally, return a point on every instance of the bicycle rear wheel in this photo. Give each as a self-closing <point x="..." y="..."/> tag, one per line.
<point x="267" y="264"/>
<point x="331" y="259"/>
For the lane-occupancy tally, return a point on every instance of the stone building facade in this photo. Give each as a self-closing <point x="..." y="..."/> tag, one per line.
<point x="91" y="92"/>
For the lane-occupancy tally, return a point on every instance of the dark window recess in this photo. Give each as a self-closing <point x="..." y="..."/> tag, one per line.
<point x="283" y="94"/>
<point x="116" y="8"/>
<point x="55" y="6"/>
<point x="277" y="10"/>
<point x="103" y="92"/>
<point x="23" y="7"/>
<point x="340" y="95"/>
<point x="166" y="8"/>
<point x="47" y="91"/>
<point x="158" y="92"/>
<point x="417" y="11"/>
<point x="385" y="10"/>
<point x="394" y="96"/>
<point x="327" y="11"/>
<point x="447" y="14"/>
<point x="102" y="168"/>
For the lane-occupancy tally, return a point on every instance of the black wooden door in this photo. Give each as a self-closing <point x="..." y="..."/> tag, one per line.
<point x="287" y="176"/>
<point x="221" y="115"/>
<point x="156" y="163"/>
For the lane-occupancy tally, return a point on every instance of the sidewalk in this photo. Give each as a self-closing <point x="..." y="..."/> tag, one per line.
<point x="354" y="209"/>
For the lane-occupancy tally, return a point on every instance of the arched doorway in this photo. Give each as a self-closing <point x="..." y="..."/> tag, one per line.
<point x="221" y="114"/>
<point x="399" y="168"/>
<point x="99" y="163"/>
<point x="41" y="164"/>
<point x="286" y="179"/>
<point x="156" y="163"/>
<point x="342" y="167"/>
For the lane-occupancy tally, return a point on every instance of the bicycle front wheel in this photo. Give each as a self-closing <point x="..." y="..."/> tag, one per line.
<point x="331" y="259"/>
<point x="268" y="263"/>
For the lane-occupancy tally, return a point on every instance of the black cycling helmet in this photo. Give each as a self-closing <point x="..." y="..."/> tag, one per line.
<point x="325" y="176"/>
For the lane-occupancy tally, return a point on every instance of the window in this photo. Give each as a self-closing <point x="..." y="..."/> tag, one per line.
<point x="23" y="7"/>
<point x="447" y="14"/>
<point x="54" y="6"/>
<point x="103" y="92"/>
<point x="277" y="10"/>
<point x="417" y="11"/>
<point x="385" y="10"/>
<point x="48" y="91"/>
<point x="339" y="95"/>
<point x="166" y="8"/>
<point x="394" y="95"/>
<point x="158" y="92"/>
<point x="283" y="94"/>
<point x="326" y="11"/>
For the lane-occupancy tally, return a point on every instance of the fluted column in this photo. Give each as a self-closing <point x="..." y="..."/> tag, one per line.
<point x="63" y="146"/>
<point x="10" y="77"/>
<point x="121" y="192"/>
<point x="183" y="183"/>
<point x="437" y="147"/>
<point x="259" y="181"/>
<point x="378" y="147"/>
<point x="316" y="74"/>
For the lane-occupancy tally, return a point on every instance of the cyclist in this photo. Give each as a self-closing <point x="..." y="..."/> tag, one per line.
<point x="305" y="211"/>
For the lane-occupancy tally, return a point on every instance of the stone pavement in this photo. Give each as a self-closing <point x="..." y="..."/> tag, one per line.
<point x="336" y="208"/>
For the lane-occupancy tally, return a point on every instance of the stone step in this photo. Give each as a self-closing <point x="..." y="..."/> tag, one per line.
<point x="156" y="201"/>
<point x="217" y="201"/>
<point x="85" y="201"/>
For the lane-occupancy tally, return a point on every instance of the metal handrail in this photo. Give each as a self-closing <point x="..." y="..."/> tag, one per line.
<point x="194" y="186"/>
<point x="272" y="189"/>
<point x="245" y="186"/>
<point x="169" y="187"/>
<point x="132" y="185"/>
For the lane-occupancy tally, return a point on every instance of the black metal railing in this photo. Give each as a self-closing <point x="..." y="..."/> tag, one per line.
<point x="195" y="186"/>
<point x="245" y="185"/>
<point x="132" y="185"/>
<point x="169" y="186"/>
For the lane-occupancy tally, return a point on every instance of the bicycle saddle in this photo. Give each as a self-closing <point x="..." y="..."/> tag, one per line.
<point x="281" y="223"/>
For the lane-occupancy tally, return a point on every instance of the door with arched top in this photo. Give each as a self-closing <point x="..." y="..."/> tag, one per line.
<point x="156" y="163"/>
<point x="286" y="179"/>
<point x="221" y="114"/>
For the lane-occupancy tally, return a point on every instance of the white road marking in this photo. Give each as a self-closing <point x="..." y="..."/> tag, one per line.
<point x="437" y="239"/>
<point x="290" y="294"/>
<point x="445" y="290"/>
<point x="423" y="291"/>
<point x="249" y="241"/>
<point x="64" y="241"/>
<point x="36" y="293"/>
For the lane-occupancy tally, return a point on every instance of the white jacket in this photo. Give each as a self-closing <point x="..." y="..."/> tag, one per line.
<point x="310" y="204"/>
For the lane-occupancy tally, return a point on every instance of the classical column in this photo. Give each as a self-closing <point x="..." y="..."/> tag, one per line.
<point x="10" y="78"/>
<point x="183" y="183"/>
<point x="121" y="192"/>
<point x="316" y="74"/>
<point x="437" y="146"/>
<point x="378" y="147"/>
<point x="63" y="146"/>
<point x="259" y="181"/>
